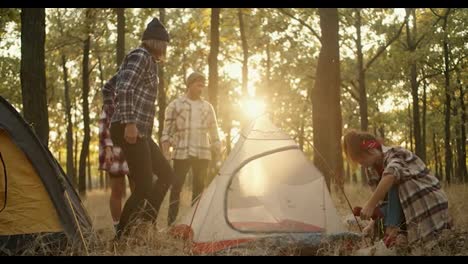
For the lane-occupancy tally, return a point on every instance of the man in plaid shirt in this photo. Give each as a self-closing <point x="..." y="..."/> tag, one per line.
<point x="190" y="126"/>
<point x="136" y="86"/>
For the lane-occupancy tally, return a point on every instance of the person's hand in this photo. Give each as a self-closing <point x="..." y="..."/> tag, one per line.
<point x="369" y="229"/>
<point x="131" y="133"/>
<point x="108" y="156"/>
<point x="367" y="211"/>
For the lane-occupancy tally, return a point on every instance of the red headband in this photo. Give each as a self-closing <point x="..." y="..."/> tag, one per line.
<point x="368" y="144"/>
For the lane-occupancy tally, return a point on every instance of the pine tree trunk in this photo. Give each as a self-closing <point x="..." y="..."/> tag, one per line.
<point x="75" y="156"/>
<point x="326" y="111"/>
<point x="86" y="136"/>
<point x="361" y="74"/>
<point x="213" y="58"/>
<point x="436" y="155"/>
<point x="448" y="150"/>
<point x="462" y="154"/>
<point x="69" y="136"/>
<point x="32" y="72"/>
<point x="120" y="47"/>
<point x="416" y="119"/>
<point x="245" y="52"/>
<point x="410" y="39"/>
<point x="424" y="111"/>
<point x="410" y="125"/>
<point x="120" y="35"/>
<point x="90" y="182"/>
<point x="161" y="86"/>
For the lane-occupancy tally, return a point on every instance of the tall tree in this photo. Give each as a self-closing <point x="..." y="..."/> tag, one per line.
<point x="462" y="155"/>
<point x="326" y="111"/>
<point x="363" y="68"/>
<point x="213" y="58"/>
<point x="245" y="52"/>
<point x="69" y="136"/>
<point x="411" y="33"/>
<point x="120" y="35"/>
<point x="85" y="94"/>
<point x="448" y="98"/>
<point x="33" y="77"/>
<point x="162" y="85"/>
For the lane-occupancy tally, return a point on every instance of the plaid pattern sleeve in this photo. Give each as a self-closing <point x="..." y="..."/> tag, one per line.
<point x="128" y="79"/>
<point x="213" y="126"/>
<point x="169" y="123"/>
<point x="108" y="91"/>
<point x="424" y="203"/>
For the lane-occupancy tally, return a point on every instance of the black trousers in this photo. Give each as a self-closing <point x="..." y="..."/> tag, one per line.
<point x="181" y="168"/>
<point x="144" y="158"/>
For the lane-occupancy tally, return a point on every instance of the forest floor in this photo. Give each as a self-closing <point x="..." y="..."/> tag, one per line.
<point x="147" y="239"/>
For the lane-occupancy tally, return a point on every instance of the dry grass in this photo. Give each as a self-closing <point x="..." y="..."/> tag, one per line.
<point x="146" y="239"/>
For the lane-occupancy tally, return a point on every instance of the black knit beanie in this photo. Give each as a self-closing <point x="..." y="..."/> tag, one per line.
<point x="155" y="30"/>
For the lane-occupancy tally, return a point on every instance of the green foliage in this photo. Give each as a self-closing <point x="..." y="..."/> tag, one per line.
<point x="292" y="45"/>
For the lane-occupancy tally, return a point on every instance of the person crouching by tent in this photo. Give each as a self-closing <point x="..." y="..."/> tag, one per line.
<point x="417" y="207"/>
<point x="112" y="160"/>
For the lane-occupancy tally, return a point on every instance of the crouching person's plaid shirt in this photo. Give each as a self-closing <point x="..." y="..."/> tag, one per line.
<point x="136" y="87"/>
<point x="177" y="125"/>
<point x="424" y="203"/>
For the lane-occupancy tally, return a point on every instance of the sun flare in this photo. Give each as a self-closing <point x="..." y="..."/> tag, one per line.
<point x="253" y="107"/>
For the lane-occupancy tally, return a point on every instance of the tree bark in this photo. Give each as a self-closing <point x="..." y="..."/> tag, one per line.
<point x="32" y="73"/>
<point x="436" y="155"/>
<point x="326" y="110"/>
<point x="75" y="156"/>
<point x="213" y="58"/>
<point x="361" y="74"/>
<point x="90" y="182"/>
<point x="424" y="128"/>
<point x="69" y="136"/>
<point x="410" y="125"/>
<point x="245" y="52"/>
<point x="448" y="150"/>
<point x="411" y="34"/>
<point x="86" y="136"/>
<point x="162" y="85"/>
<point x="462" y="154"/>
<point x="120" y="35"/>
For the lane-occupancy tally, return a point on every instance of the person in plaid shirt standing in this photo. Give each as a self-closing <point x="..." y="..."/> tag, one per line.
<point x="416" y="204"/>
<point x="136" y="86"/>
<point x="112" y="160"/>
<point x="191" y="127"/>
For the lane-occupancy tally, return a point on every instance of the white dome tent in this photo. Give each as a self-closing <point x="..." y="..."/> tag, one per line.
<point x="266" y="187"/>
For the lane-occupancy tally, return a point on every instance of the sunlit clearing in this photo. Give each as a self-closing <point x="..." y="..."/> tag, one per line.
<point x="253" y="107"/>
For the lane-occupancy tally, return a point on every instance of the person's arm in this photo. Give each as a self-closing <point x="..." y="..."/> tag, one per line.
<point x="213" y="131"/>
<point x="128" y="79"/>
<point x="382" y="189"/>
<point x="169" y="127"/>
<point x="108" y="91"/>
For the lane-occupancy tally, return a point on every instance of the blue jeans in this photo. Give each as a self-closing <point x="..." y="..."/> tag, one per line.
<point x="393" y="213"/>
